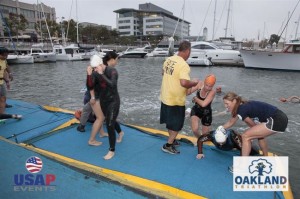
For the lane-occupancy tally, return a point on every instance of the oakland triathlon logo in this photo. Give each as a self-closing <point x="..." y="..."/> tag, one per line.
<point x="260" y="173"/>
<point x="260" y="166"/>
<point x="33" y="181"/>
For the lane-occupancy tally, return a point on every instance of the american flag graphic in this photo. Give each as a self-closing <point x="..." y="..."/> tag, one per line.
<point x="34" y="164"/>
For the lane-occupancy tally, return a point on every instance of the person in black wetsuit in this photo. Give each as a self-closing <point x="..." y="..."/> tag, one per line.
<point x="10" y="116"/>
<point x="93" y="86"/>
<point x="110" y="99"/>
<point x="223" y="139"/>
<point x="202" y="108"/>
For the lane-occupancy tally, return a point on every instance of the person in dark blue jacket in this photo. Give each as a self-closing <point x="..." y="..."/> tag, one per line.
<point x="263" y="119"/>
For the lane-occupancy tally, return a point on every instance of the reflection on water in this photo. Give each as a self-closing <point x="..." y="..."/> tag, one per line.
<point x="59" y="84"/>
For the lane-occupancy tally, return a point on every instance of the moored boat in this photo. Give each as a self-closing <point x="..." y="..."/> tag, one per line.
<point x="68" y="53"/>
<point x="133" y="53"/>
<point x="287" y="59"/>
<point x="202" y="51"/>
<point x="39" y="56"/>
<point x="20" y="59"/>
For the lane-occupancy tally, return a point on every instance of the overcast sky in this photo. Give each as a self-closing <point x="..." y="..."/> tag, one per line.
<point x="248" y="18"/>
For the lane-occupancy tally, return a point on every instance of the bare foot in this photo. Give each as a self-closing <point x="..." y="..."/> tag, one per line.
<point x="109" y="155"/>
<point x="120" y="137"/>
<point x="94" y="143"/>
<point x="103" y="134"/>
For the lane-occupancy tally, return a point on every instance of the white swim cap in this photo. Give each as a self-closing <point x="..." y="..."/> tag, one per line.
<point x="220" y="135"/>
<point x="96" y="61"/>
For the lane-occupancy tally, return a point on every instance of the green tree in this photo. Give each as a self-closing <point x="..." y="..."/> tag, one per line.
<point x="15" y="23"/>
<point x="41" y="29"/>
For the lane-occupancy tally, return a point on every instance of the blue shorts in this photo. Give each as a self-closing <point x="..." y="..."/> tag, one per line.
<point x="172" y="116"/>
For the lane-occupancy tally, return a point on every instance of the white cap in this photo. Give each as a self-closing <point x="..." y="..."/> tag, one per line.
<point x="96" y="61"/>
<point x="220" y="134"/>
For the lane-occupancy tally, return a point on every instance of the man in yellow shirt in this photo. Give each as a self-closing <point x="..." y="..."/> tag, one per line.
<point x="175" y="83"/>
<point x="3" y="69"/>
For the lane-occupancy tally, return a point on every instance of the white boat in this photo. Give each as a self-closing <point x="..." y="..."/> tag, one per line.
<point x="205" y="53"/>
<point x="160" y="52"/>
<point x="68" y="53"/>
<point x="20" y="59"/>
<point x="133" y="53"/>
<point x="39" y="56"/>
<point x="287" y="59"/>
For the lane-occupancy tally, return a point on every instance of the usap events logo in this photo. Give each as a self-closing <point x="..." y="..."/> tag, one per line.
<point x="260" y="173"/>
<point x="33" y="181"/>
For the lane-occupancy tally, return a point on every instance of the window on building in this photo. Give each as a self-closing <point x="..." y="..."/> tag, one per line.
<point x="124" y="27"/>
<point x="153" y="26"/>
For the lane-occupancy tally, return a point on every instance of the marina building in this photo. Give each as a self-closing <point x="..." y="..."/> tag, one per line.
<point x="150" y="20"/>
<point x="32" y="13"/>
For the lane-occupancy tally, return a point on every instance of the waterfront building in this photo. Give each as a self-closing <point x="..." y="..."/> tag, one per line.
<point x="32" y="13"/>
<point x="150" y="20"/>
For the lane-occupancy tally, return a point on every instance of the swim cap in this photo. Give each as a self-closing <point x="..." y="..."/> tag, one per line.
<point x="220" y="134"/>
<point x="210" y="79"/>
<point x="96" y="61"/>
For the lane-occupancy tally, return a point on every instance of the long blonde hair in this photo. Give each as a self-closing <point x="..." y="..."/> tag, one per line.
<point x="230" y="96"/>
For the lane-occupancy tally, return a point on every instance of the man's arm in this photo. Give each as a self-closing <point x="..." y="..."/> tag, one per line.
<point x="188" y="83"/>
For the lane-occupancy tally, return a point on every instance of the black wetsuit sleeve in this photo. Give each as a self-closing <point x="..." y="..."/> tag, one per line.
<point x="113" y="80"/>
<point x="89" y="82"/>
<point x="5" y="116"/>
<point x="237" y="140"/>
<point x="203" y="138"/>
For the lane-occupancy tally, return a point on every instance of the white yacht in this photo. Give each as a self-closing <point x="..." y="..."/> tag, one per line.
<point x="287" y="59"/>
<point x="160" y="52"/>
<point x="133" y="53"/>
<point x="40" y="56"/>
<point x="68" y="53"/>
<point x="19" y="59"/>
<point x="205" y="53"/>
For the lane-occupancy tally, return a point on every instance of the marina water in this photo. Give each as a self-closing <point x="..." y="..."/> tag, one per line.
<point x="59" y="84"/>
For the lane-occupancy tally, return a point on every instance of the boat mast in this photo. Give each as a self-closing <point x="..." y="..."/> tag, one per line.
<point x="46" y="25"/>
<point x="227" y="19"/>
<point x="77" y="23"/>
<point x="182" y="19"/>
<point x="297" y="28"/>
<point x="214" y="23"/>
<point x="289" y="19"/>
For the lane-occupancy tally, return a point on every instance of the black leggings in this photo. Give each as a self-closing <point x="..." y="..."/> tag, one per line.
<point x="111" y="112"/>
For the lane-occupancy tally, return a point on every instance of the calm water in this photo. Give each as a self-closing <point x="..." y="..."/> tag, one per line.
<point x="59" y="84"/>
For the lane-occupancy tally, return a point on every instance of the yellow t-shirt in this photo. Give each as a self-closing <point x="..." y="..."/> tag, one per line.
<point x="174" y="69"/>
<point x="3" y="65"/>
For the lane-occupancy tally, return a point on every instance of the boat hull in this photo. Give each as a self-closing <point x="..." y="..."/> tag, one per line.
<point x="133" y="55"/>
<point x="271" y="60"/>
<point x="44" y="57"/>
<point x="20" y="59"/>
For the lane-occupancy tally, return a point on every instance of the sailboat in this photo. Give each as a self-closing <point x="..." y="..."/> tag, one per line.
<point x="39" y="56"/>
